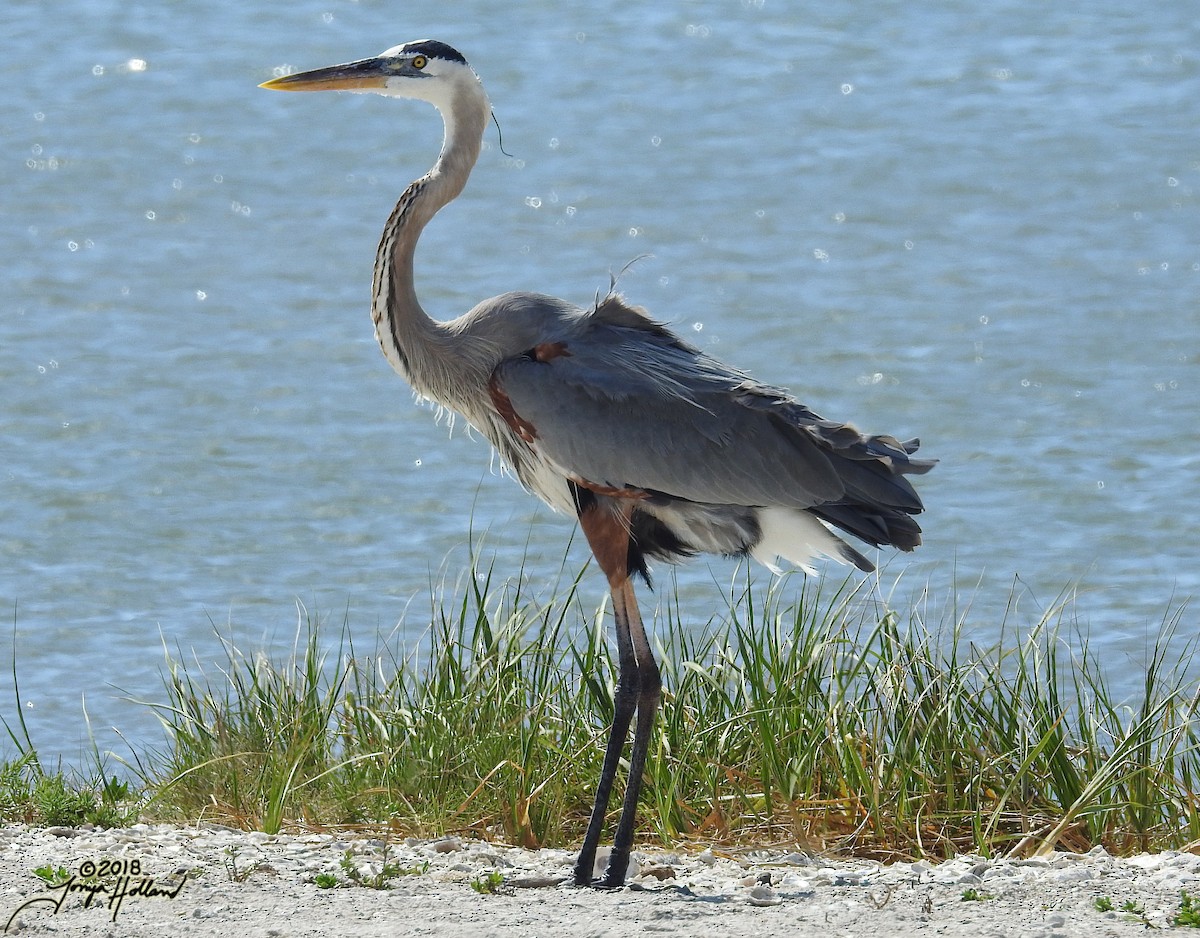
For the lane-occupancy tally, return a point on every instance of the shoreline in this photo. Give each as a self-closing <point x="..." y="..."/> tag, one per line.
<point x="266" y="885"/>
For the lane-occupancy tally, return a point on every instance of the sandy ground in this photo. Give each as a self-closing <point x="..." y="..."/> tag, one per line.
<point x="211" y="881"/>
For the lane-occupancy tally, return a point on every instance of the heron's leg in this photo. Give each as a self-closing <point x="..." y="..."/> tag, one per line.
<point x="649" y="689"/>
<point x="605" y="523"/>
<point x="624" y="703"/>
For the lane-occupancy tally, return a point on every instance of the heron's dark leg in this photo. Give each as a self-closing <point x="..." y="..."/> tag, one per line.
<point x="605" y="523"/>
<point x="624" y="703"/>
<point x="649" y="688"/>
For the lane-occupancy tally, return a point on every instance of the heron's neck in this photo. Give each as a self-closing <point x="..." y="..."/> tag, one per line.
<point x="414" y="344"/>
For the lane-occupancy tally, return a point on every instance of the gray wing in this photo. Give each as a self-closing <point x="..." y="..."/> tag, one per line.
<point x="622" y="403"/>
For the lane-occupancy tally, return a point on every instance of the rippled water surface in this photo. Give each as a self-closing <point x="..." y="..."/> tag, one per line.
<point x="974" y="225"/>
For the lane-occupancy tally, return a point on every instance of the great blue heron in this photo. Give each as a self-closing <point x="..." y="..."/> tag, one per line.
<point x="660" y="450"/>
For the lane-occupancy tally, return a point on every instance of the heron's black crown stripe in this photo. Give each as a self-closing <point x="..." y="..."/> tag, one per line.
<point x="435" y="50"/>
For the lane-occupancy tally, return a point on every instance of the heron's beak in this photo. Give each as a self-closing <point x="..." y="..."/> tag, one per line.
<point x="363" y="75"/>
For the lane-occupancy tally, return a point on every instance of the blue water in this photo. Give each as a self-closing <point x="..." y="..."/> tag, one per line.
<point x="975" y="225"/>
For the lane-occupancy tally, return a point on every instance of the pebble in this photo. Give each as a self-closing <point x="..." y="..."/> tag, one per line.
<point x="1076" y="874"/>
<point x="795" y="885"/>
<point x="536" y="881"/>
<point x="763" y="895"/>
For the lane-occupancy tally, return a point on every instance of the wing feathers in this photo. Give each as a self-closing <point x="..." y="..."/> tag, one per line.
<point x="618" y="400"/>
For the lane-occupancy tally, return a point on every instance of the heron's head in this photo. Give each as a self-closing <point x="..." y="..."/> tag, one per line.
<point x="427" y="69"/>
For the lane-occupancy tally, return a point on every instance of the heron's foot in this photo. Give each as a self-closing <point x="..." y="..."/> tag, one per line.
<point x="584" y="872"/>
<point x="607" y="881"/>
<point x="610" y="880"/>
<point x="602" y="884"/>
<point x="618" y="866"/>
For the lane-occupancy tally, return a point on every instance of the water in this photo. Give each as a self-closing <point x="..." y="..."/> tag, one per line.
<point x="975" y="225"/>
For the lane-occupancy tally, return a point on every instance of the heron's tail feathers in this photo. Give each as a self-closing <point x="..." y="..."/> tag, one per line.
<point x="793" y="534"/>
<point x="879" y="502"/>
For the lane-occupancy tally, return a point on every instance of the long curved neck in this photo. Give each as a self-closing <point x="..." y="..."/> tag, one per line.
<point x="414" y="344"/>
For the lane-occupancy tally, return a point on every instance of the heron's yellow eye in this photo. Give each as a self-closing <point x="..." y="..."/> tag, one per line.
<point x="419" y="62"/>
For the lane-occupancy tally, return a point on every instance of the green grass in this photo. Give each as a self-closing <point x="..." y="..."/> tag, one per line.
<point x="33" y="794"/>
<point x="1188" y="915"/>
<point x="488" y="884"/>
<point x="807" y="712"/>
<point x="377" y="876"/>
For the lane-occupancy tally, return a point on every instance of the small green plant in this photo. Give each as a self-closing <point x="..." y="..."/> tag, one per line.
<point x="1188" y="915"/>
<point x="54" y="875"/>
<point x="387" y="871"/>
<point x="239" y="874"/>
<point x="353" y="874"/>
<point x="1134" y="910"/>
<point x="488" y="884"/>
<point x="231" y="867"/>
<point x="971" y="894"/>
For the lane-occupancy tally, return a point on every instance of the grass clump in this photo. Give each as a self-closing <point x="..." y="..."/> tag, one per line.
<point x="486" y="733"/>
<point x="31" y="795"/>
<point x="822" y="718"/>
<point x="1188" y="915"/>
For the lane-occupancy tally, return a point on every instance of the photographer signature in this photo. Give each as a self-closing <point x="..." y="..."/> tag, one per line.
<point x="117" y="890"/>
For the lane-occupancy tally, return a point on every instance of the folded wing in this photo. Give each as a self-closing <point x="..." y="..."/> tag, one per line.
<point x="621" y="403"/>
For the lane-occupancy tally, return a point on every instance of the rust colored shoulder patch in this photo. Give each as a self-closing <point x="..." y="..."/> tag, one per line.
<point x="548" y="351"/>
<point x="609" y="490"/>
<point x="504" y="407"/>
